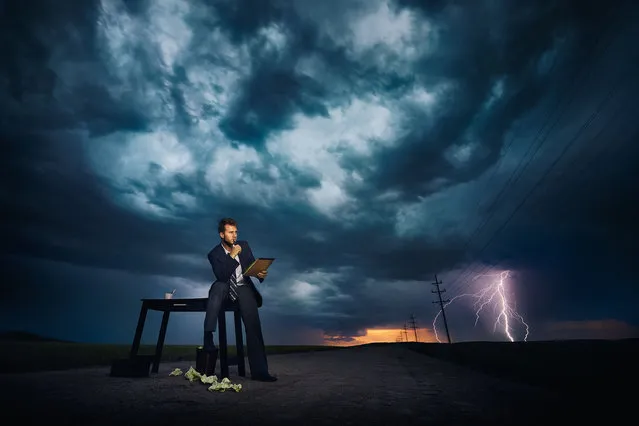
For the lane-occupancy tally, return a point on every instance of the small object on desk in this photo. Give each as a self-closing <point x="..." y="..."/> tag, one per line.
<point x="168" y="295"/>
<point x="260" y="264"/>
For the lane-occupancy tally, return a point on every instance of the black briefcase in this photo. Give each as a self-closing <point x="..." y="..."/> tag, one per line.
<point x="205" y="361"/>
<point x="136" y="366"/>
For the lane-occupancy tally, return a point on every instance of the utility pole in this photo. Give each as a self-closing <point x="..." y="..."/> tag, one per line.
<point x="413" y="325"/>
<point x="441" y="304"/>
<point x="405" y="332"/>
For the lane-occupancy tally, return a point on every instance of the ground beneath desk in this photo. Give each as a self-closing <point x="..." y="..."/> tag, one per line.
<point x="381" y="384"/>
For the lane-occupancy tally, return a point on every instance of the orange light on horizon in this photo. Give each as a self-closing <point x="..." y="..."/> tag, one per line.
<point x="381" y="335"/>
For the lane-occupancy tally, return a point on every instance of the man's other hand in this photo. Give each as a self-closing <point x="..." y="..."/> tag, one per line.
<point x="261" y="275"/>
<point x="236" y="250"/>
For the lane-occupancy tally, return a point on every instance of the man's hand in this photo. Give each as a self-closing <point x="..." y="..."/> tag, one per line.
<point x="261" y="275"/>
<point x="236" y="250"/>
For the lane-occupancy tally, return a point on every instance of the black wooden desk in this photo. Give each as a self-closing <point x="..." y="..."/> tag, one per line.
<point x="191" y="305"/>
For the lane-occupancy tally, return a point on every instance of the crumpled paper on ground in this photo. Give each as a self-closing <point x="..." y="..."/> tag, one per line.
<point x="192" y="375"/>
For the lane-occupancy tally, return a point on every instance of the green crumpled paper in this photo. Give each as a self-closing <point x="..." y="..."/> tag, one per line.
<point x="192" y="375"/>
<point x="176" y="372"/>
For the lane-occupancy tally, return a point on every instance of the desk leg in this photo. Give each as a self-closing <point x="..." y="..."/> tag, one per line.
<point x="138" y="331"/>
<point x="224" y="360"/>
<point x="239" y="344"/>
<point x="160" y="344"/>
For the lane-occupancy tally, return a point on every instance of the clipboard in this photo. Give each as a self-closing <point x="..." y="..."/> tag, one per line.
<point x="260" y="264"/>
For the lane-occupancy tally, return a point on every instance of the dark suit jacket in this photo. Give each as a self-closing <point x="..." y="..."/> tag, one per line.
<point x="224" y="266"/>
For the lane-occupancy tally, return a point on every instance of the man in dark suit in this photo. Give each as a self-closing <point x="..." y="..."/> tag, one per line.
<point x="228" y="259"/>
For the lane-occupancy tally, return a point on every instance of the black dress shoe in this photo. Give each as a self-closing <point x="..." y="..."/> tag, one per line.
<point x="264" y="378"/>
<point x="208" y="345"/>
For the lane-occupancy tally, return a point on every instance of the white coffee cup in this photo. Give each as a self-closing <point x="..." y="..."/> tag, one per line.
<point x="168" y="295"/>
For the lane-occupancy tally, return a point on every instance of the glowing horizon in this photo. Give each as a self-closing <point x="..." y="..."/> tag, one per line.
<point x="381" y="335"/>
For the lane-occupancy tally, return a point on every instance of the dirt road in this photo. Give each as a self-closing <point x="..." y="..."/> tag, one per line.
<point x="383" y="384"/>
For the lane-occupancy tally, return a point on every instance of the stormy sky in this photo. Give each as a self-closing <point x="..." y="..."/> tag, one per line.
<point x="367" y="145"/>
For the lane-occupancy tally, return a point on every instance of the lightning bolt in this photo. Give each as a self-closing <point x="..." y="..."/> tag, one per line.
<point x="493" y="295"/>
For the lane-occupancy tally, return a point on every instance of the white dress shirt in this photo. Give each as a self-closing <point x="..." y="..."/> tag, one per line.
<point x="238" y="271"/>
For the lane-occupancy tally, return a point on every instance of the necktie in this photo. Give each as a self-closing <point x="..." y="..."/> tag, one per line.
<point x="233" y="287"/>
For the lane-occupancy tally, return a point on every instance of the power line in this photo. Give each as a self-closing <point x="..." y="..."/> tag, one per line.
<point x="547" y="172"/>
<point x="579" y="75"/>
<point x="606" y="149"/>
<point x="567" y="147"/>
<point x="413" y="325"/>
<point x="616" y="119"/>
<point x="572" y="164"/>
<point x="441" y="305"/>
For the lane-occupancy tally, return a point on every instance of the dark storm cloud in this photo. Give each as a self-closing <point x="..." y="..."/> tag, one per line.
<point x="480" y="44"/>
<point x="28" y="33"/>
<point x="593" y="236"/>
<point x="275" y="91"/>
<point x="56" y="208"/>
<point x="35" y="95"/>
<point x="81" y="304"/>
<point x="269" y="99"/>
<point x="519" y="62"/>
<point x="240" y="24"/>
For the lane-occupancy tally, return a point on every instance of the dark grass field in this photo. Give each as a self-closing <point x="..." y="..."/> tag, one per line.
<point x="475" y="383"/>
<point x="572" y="366"/>
<point x="22" y="352"/>
<point x="393" y="383"/>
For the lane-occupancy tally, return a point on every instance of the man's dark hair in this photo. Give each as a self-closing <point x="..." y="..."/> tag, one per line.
<point x="226" y="221"/>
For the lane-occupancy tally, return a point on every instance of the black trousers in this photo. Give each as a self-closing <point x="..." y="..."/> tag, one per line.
<point x="250" y="317"/>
